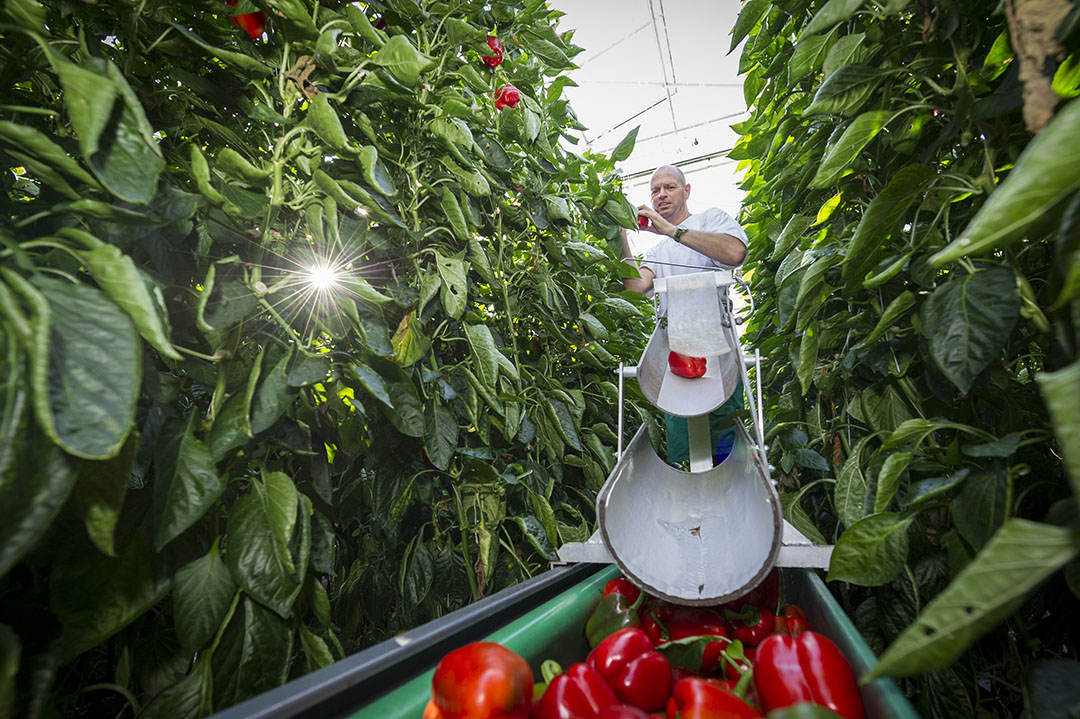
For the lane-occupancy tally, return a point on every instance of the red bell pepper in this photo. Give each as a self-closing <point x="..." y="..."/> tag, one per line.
<point x="622" y="586"/>
<point x="637" y="674"/>
<point x="482" y="680"/>
<point x="792" y="622"/>
<point x="697" y="698"/>
<point x="698" y="622"/>
<point x="806" y="668"/>
<point x="655" y="618"/>
<point x="578" y="693"/>
<point x="751" y="625"/>
<point x="686" y="366"/>
<point x="253" y="23"/>
<point x="621" y="711"/>
<point x="736" y="665"/>
<point x="507" y="96"/>
<point x="765" y="595"/>
<point x="494" y="60"/>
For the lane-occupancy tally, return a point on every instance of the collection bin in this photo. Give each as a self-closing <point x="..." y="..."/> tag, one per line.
<point x="393" y="680"/>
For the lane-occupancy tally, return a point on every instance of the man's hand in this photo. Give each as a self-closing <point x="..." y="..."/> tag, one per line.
<point x="657" y="224"/>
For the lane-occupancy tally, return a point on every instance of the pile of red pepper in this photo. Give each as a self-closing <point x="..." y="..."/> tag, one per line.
<point x="654" y="659"/>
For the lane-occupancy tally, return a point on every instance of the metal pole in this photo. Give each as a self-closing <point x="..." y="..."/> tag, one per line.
<point x="618" y="452"/>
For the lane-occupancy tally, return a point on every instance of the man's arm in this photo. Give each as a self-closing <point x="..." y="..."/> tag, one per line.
<point x="719" y="246"/>
<point x="643" y="283"/>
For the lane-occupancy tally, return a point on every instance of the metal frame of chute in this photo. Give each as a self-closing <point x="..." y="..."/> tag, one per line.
<point x="796" y="549"/>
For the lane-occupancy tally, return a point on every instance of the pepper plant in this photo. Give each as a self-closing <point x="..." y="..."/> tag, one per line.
<point x="912" y="191"/>
<point x="303" y="341"/>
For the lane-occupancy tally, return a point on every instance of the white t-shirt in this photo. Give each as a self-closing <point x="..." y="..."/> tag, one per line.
<point x="670" y="251"/>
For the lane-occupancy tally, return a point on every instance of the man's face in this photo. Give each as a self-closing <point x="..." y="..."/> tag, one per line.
<point x="668" y="195"/>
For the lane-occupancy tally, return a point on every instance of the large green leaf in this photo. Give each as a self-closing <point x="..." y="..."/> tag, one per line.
<point x="409" y="341"/>
<point x="846" y="89"/>
<point x="402" y="60"/>
<point x="749" y="15"/>
<point x="849" y="492"/>
<point x="202" y="592"/>
<point x="485" y="362"/>
<point x="967" y="321"/>
<point x="979" y="509"/>
<point x="1043" y="177"/>
<point x="888" y="479"/>
<point x="833" y="13"/>
<point x="253" y="655"/>
<point x="872" y="551"/>
<point x="626" y="145"/>
<point x="187" y="485"/>
<point x="274" y="395"/>
<point x="455" y="289"/>
<point x="100" y="492"/>
<point x="896" y="309"/>
<point x="1019" y="557"/>
<point x="1060" y="390"/>
<point x="843" y="152"/>
<point x="440" y="435"/>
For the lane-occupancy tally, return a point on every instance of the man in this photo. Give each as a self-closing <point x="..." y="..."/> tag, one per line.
<point x="691" y="243"/>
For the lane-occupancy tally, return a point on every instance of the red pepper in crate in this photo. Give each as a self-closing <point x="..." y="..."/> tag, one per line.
<point x="697" y="698"/>
<point x="699" y="622"/>
<point x="622" y="586"/>
<point x="751" y="625"/>
<point x="578" y="693"/>
<point x="637" y="674"/>
<point x="765" y="595"/>
<point x="482" y="680"/>
<point x="621" y="711"/>
<point x="686" y="366"/>
<point x="792" y="622"/>
<point x="613" y="613"/>
<point x="806" y="668"/>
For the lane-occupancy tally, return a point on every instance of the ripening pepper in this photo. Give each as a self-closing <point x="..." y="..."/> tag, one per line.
<point x="792" y="621"/>
<point x="253" y="23"/>
<point x="697" y="698"/>
<point x="494" y="60"/>
<point x="700" y="622"/>
<point x="639" y="675"/>
<point x="482" y="680"/>
<point x="806" y="668"/>
<point x="578" y="693"/>
<point x="623" y="586"/>
<point x="507" y="96"/>
<point x="751" y="625"/>
<point x="613" y="613"/>
<point x="686" y="366"/>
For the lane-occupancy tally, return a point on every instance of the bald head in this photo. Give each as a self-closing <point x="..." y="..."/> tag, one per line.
<point x="669" y="193"/>
<point x="670" y="170"/>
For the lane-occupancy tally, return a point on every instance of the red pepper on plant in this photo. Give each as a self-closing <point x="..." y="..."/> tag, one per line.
<point x="697" y="698"/>
<point x="493" y="61"/>
<point x="253" y="23"/>
<point x="806" y="668"/>
<point x="482" y="680"/>
<point x="622" y="586"/>
<point x="751" y="625"/>
<point x="686" y="366"/>
<point x="792" y="622"/>
<point x="578" y="693"/>
<point x="636" y="673"/>
<point x="507" y="96"/>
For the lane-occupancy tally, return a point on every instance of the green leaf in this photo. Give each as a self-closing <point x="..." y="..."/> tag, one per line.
<point x="883" y="217"/>
<point x="202" y="592"/>
<point x="188" y="698"/>
<point x="794" y="513"/>
<point x="990" y="588"/>
<point x="927" y="489"/>
<point x="1043" y="177"/>
<point x="872" y="551"/>
<point x="626" y="145"/>
<point x="888" y="479"/>
<point x="790" y="237"/>
<point x="402" y="60"/>
<point x="259" y="532"/>
<point x="843" y="152"/>
<point x="100" y="492"/>
<point x="546" y="516"/>
<point x="832" y="14"/>
<point x="1003" y="447"/>
<point x="308" y="370"/>
<point x="484" y="354"/>
<point x="809" y="459"/>
<point x="896" y="309"/>
<point x="1060" y="390"/>
<point x="850" y="489"/>
<point x="232" y="427"/>
<point x="845" y="90"/>
<point x="622" y="211"/>
<point x="440" y="434"/>
<point x="560" y="415"/>
<point x="87" y="399"/>
<point x="372" y="382"/>
<point x="418" y="575"/>
<point x="273" y="396"/>
<point x="455" y="288"/>
<point x="883" y="407"/>
<point x="536" y="536"/>
<point x="36" y="477"/>
<point x="409" y="341"/>
<point x="248" y="64"/>
<point x="316" y="654"/>
<point x="687" y="653"/>
<point x="375" y="173"/>
<point x="187" y="485"/>
<point x="253" y="656"/>
<point x="407" y="414"/>
<point x="803" y="710"/>
<point x="808" y="354"/>
<point x="749" y="16"/>
<point x="808" y="56"/>
<point x="967" y="321"/>
<point x="88" y="98"/>
<point x="979" y="508"/>
<point x="1067" y="77"/>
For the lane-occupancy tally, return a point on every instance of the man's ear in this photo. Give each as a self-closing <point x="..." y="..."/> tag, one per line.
<point x="688" y="189"/>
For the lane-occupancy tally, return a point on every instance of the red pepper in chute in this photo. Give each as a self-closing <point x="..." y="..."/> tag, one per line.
<point x="686" y="366"/>
<point x="494" y="60"/>
<point x="622" y="586"/>
<point x="697" y="698"/>
<point x="792" y="621"/>
<point x="578" y="693"/>
<point x="751" y="625"/>
<point x="507" y="96"/>
<point x="253" y="23"/>
<point x="482" y="680"/>
<point x="637" y="674"/>
<point x="688" y="622"/>
<point x="806" y="668"/>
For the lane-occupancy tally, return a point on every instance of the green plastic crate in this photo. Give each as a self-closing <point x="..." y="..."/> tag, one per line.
<point x="555" y="630"/>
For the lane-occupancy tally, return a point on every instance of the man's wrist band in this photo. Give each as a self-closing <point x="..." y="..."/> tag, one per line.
<point x="678" y="233"/>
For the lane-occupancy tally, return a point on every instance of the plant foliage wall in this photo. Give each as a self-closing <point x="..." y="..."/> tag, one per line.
<point x="303" y="341"/>
<point x="912" y="180"/>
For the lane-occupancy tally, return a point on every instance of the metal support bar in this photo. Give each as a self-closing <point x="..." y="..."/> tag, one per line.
<point x="700" y="443"/>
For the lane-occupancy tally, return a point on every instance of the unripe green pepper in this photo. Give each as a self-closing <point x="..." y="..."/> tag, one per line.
<point x="327" y="124"/>
<point x="233" y="163"/>
<point x="200" y="168"/>
<point x="614" y="612"/>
